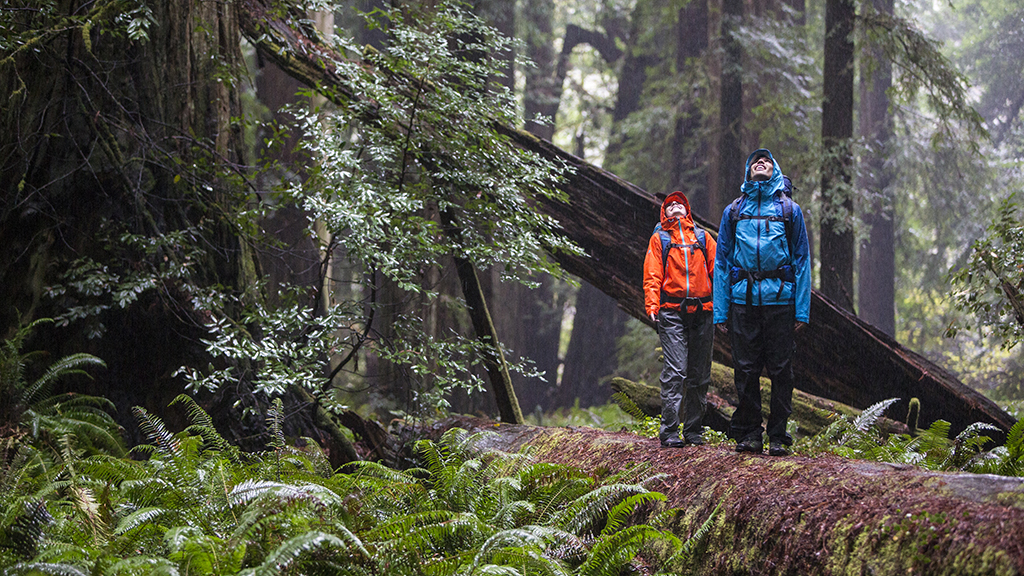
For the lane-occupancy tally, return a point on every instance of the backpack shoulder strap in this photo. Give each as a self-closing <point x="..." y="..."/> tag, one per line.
<point x="735" y="207"/>
<point x="666" y="242"/>
<point x="702" y="241"/>
<point x="787" y="221"/>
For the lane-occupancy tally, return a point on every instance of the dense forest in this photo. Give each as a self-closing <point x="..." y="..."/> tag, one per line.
<point x="295" y="232"/>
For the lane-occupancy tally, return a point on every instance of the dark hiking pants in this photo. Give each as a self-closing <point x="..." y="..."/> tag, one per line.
<point x="686" y="343"/>
<point x="762" y="338"/>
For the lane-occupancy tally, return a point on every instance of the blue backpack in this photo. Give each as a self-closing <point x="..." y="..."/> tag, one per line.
<point x="787" y="212"/>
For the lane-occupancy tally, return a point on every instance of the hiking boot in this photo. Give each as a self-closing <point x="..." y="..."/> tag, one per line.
<point x="695" y="440"/>
<point x="674" y="442"/>
<point x="778" y="449"/>
<point x="750" y="445"/>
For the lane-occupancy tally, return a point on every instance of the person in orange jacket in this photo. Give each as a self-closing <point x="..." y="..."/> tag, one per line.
<point x="678" y="272"/>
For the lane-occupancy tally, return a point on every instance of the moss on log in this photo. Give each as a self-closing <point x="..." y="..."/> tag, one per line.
<point x="799" y="515"/>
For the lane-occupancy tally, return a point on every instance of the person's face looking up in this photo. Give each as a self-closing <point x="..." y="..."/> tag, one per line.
<point x="675" y="209"/>
<point x="761" y="169"/>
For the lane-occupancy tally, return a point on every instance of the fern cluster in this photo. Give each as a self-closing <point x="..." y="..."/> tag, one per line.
<point x="931" y="448"/>
<point x="190" y="503"/>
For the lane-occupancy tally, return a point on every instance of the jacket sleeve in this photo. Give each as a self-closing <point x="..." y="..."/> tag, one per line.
<point x="801" y="267"/>
<point x="653" y="276"/>
<point x="723" y="252"/>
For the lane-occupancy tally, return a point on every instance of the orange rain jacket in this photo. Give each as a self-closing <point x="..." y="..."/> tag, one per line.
<point x="687" y="274"/>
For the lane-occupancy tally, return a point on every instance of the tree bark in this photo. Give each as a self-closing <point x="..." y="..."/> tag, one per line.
<point x="876" y="278"/>
<point x="837" y="248"/>
<point x="797" y="515"/>
<point x="730" y="160"/>
<point x="689" y="143"/>
<point x="838" y="356"/>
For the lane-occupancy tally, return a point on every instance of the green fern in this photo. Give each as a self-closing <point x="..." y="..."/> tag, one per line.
<point x="288" y="557"/>
<point x="644" y="425"/>
<point x="614" y="552"/>
<point x="43" y="417"/>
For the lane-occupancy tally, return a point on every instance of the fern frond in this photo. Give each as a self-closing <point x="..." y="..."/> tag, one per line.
<point x="289" y="554"/>
<point x="591" y="508"/>
<point x="685" y="551"/>
<point x="138" y="518"/>
<point x="202" y="425"/>
<point x="618" y="515"/>
<point x="65" y="366"/>
<point x="450" y="534"/>
<point x="46" y="568"/>
<point x="869" y="417"/>
<point x="396" y="527"/>
<point x="275" y="424"/>
<point x="148" y="565"/>
<point x="522" y="560"/>
<point x="614" y="552"/>
<point x="1015" y="440"/>
<point x="627" y="405"/>
<point x="154" y="429"/>
<point x="250" y="490"/>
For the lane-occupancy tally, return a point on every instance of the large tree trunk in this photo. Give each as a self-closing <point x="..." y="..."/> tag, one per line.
<point x="796" y="515"/>
<point x="591" y="354"/>
<point x="86" y="156"/>
<point x="839" y="357"/>
<point x="876" y="279"/>
<point x="108" y="137"/>
<point x="689" y="142"/>
<point x="837" y="248"/>
<point x="727" y="164"/>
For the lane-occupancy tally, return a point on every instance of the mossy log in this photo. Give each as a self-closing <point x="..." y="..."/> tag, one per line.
<point x="810" y="413"/>
<point x="797" y="515"/>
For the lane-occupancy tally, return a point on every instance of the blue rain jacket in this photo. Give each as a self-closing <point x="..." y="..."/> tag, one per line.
<point x="758" y="245"/>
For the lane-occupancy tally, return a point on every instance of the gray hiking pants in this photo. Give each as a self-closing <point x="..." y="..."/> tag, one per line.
<point x="686" y="343"/>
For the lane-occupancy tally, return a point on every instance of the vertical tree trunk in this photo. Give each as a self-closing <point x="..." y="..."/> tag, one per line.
<point x="730" y="157"/>
<point x="876" y="291"/>
<point x="596" y="328"/>
<point x="689" y="145"/>
<point x="837" y="234"/>
<point x="591" y="354"/>
<point x="87" y="156"/>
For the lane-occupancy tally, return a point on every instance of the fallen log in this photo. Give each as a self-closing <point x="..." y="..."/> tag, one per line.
<point x="811" y="413"/>
<point x="839" y="357"/>
<point x="797" y="515"/>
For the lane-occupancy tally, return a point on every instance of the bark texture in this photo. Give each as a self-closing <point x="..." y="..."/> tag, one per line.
<point x="799" y="515"/>
<point x="837" y="241"/>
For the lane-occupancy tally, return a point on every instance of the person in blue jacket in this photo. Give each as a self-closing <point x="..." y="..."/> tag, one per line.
<point x="762" y="290"/>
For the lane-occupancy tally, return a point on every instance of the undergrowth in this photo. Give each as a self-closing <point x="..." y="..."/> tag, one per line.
<point x="191" y="503"/>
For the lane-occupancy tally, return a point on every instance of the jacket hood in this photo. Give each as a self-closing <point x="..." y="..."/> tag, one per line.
<point x="774" y="183"/>
<point x="677" y="196"/>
